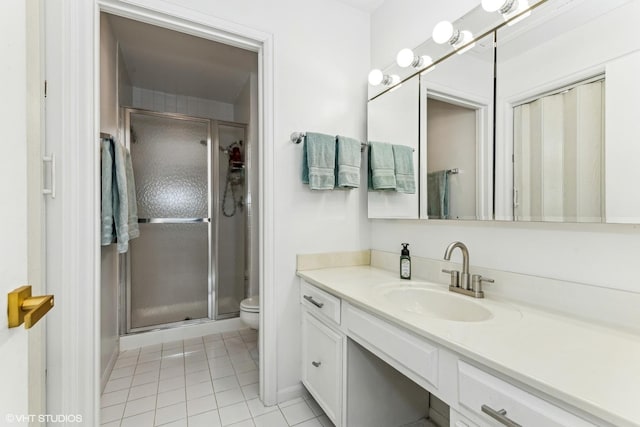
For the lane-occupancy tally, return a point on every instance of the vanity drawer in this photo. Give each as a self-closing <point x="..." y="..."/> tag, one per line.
<point x="409" y="354"/>
<point x="322" y="350"/>
<point x="320" y="302"/>
<point x="477" y="388"/>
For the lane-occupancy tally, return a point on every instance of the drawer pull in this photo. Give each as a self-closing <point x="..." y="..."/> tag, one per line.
<point x="316" y="364"/>
<point x="314" y="302"/>
<point x="499" y="416"/>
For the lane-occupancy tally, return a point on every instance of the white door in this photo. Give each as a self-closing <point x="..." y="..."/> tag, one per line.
<point x="21" y="350"/>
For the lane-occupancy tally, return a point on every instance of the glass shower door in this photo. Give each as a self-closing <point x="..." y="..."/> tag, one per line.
<point x="170" y="263"/>
<point x="232" y="233"/>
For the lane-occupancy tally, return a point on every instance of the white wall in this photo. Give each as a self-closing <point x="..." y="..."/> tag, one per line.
<point x="321" y="57"/>
<point x="603" y="255"/>
<point x="109" y="337"/>
<point x="190" y="105"/>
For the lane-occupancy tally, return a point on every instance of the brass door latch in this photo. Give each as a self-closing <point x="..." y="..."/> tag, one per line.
<point x="23" y="308"/>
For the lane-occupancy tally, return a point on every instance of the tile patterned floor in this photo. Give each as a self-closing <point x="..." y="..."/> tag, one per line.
<point x="210" y="381"/>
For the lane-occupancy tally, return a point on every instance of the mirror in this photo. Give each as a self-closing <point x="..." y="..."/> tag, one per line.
<point x="562" y="144"/>
<point x="456" y="122"/>
<point x="567" y="127"/>
<point x="394" y="118"/>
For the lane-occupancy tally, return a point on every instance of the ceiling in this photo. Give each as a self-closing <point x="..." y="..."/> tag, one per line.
<point x="365" y="5"/>
<point x="169" y="61"/>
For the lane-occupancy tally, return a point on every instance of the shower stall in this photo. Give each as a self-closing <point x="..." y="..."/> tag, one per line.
<point x="191" y="261"/>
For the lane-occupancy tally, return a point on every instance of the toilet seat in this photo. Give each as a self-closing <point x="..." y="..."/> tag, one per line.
<point x="251" y="305"/>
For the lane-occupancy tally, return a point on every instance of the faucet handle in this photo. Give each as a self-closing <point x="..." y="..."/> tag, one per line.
<point x="454" y="280"/>
<point x="476" y="281"/>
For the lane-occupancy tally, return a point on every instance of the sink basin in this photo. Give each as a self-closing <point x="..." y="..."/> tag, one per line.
<point x="433" y="302"/>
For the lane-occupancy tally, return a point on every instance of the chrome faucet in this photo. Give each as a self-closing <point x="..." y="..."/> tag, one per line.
<point x="463" y="281"/>
<point x="460" y="281"/>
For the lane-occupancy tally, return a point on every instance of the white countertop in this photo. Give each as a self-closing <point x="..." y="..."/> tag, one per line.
<point x="593" y="368"/>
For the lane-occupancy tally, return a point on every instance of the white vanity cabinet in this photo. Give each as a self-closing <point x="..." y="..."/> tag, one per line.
<point x="323" y="347"/>
<point x="365" y="369"/>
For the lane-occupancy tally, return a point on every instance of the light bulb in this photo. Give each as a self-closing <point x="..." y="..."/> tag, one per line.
<point x="465" y="37"/>
<point x="405" y="58"/>
<point x="493" y="5"/>
<point x="427" y="65"/>
<point x="375" y="77"/>
<point x="442" y="32"/>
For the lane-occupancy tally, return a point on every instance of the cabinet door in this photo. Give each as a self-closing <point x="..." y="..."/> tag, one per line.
<point x="322" y="365"/>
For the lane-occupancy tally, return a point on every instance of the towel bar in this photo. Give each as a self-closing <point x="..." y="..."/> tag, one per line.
<point x="297" y="137"/>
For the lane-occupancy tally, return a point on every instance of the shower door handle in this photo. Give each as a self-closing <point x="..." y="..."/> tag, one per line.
<point x="172" y="220"/>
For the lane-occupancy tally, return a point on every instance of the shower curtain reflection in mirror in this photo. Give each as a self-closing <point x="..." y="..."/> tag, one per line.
<point x="558" y="156"/>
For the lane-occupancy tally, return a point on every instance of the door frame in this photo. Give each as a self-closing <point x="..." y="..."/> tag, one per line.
<point x="75" y="74"/>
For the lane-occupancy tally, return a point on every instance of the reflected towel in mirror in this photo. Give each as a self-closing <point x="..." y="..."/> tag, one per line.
<point x="403" y="160"/>
<point x="382" y="174"/>
<point x="438" y="195"/>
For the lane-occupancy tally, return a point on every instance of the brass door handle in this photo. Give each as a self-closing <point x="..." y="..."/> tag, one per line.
<point x="23" y="308"/>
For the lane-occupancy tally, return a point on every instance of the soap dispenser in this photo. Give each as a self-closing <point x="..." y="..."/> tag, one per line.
<point x="405" y="262"/>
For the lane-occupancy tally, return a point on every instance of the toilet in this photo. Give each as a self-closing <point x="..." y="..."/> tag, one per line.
<point x="250" y="311"/>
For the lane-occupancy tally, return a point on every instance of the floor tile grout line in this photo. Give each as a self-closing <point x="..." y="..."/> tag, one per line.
<point x="182" y="345"/>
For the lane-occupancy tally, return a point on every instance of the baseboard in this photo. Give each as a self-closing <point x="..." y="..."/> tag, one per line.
<point x="112" y="361"/>
<point x="142" y="339"/>
<point x="292" y="392"/>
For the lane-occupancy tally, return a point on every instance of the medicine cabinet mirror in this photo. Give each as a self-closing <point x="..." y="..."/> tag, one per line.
<point x="562" y="146"/>
<point x="456" y="128"/>
<point x="394" y="119"/>
<point x="567" y="101"/>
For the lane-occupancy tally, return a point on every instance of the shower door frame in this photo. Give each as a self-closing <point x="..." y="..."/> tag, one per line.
<point x="248" y="241"/>
<point x="212" y="234"/>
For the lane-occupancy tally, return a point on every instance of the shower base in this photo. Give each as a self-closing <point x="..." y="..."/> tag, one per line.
<point x="168" y="333"/>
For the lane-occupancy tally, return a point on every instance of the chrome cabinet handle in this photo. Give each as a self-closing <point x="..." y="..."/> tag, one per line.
<point x="316" y="364"/>
<point x="314" y="302"/>
<point x="500" y="416"/>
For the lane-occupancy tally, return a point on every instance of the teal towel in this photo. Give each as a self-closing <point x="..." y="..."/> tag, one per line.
<point x="438" y="195"/>
<point x="403" y="159"/>
<point x="381" y="166"/>
<point x="106" y="154"/>
<point x="319" y="161"/>
<point x="120" y="199"/>
<point x="134" y="230"/>
<point x="348" y="161"/>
